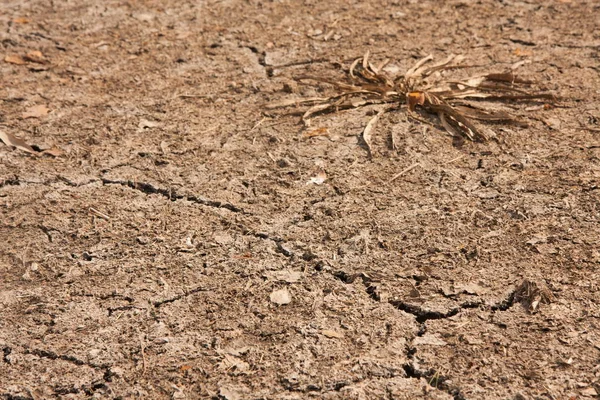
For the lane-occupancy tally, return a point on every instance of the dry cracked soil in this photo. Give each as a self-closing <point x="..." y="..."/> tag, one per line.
<point x="148" y="254"/>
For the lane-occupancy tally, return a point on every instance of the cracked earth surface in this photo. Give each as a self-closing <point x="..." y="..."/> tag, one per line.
<point x="140" y="264"/>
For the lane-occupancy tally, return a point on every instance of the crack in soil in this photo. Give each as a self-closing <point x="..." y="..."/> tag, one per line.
<point x="172" y="194"/>
<point x="507" y="303"/>
<point x="15" y="181"/>
<point x="423" y="315"/>
<point x="180" y="296"/>
<point x="10" y="182"/>
<point x="432" y="376"/>
<point x="112" y="310"/>
<point x="53" y="356"/>
<point x="87" y="389"/>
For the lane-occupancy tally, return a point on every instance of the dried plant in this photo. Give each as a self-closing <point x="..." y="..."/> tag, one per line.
<point x="532" y="293"/>
<point x="420" y="88"/>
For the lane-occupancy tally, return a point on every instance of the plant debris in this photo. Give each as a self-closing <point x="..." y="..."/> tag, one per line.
<point x="14" y="59"/>
<point x="421" y="88"/>
<point x="35" y="56"/>
<point x="531" y="294"/>
<point x="11" y="140"/>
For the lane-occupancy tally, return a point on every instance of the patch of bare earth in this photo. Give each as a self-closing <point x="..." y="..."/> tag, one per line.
<point x="177" y="240"/>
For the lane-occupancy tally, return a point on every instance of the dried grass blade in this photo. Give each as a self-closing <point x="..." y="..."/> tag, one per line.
<point x="338" y="84"/>
<point x="353" y="66"/>
<point x="540" y="96"/>
<point x="449" y="62"/>
<point x="11" y="140"/>
<point x="316" y="109"/>
<point x="507" y="77"/>
<point x="404" y="171"/>
<point x="449" y="128"/>
<point x="500" y="88"/>
<point x="296" y="102"/>
<point x="368" y="132"/>
<point x="381" y="66"/>
<point x="483" y="115"/>
<point x="464" y="94"/>
<point x="465" y="126"/>
<point x="365" y="60"/>
<point x="411" y="72"/>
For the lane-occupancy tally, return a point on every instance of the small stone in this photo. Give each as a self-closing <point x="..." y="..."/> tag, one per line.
<point x="223" y="238"/>
<point x="281" y="297"/>
<point x="589" y="392"/>
<point x="93" y="353"/>
<point x="332" y="334"/>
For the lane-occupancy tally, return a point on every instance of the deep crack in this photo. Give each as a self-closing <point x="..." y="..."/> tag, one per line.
<point x="433" y="377"/>
<point x="87" y="389"/>
<point x="72" y="359"/>
<point x="172" y="195"/>
<point x="10" y="182"/>
<point x="506" y="303"/>
<point x="423" y="315"/>
<point x="53" y="356"/>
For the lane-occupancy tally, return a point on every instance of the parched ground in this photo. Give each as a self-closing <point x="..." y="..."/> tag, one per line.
<point x="140" y="263"/>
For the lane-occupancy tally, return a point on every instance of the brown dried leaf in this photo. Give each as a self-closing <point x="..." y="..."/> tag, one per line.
<point x="234" y="365"/>
<point x="14" y="141"/>
<point x="315" y="132"/>
<point x="36" y="57"/>
<point x="14" y="59"/>
<point x="36" y="111"/>
<point x="353" y="66"/>
<point x="452" y="118"/>
<point x="522" y="53"/>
